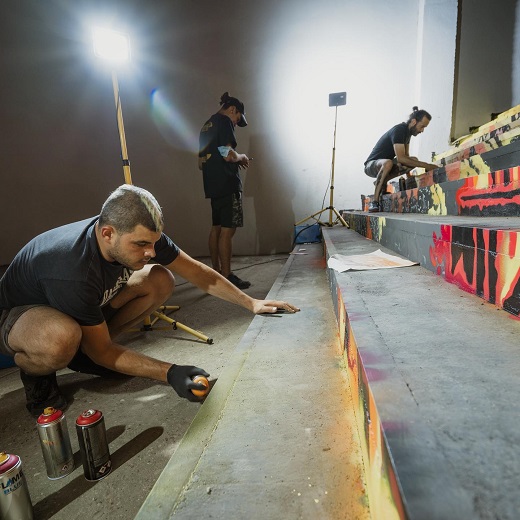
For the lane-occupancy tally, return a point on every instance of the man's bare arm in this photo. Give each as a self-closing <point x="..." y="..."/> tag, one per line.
<point x="98" y="346"/>
<point x="213" y="283"/>
<point x="402" y="156"/>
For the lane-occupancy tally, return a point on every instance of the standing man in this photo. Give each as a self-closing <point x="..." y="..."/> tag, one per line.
<point x="70" y="291"/>
<point x="390" y="156"/>
<point x="220" y="164"/>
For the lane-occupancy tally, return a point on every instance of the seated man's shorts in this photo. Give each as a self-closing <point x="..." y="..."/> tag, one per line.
<point x="372" y="167"/>
<point x="227" y="211"/>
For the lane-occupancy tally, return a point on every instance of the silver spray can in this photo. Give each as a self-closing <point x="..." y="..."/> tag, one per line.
<point x="55" y="443"/>
<point x="15" y="501"/>
<point x="93" y="445"/>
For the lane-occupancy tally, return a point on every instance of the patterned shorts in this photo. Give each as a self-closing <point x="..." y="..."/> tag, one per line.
<point x="372" y="167"/>
<point x="227" y="211"/>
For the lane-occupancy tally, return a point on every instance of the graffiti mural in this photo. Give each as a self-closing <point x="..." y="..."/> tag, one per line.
<point x="430" y="200"/>
<point x="485" y="262"/>
<point x="493" y="194"/>
<point x="492" y="133"/>
<point x="499" y="159"/>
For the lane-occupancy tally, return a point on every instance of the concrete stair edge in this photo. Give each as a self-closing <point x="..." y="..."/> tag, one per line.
<point x="388" y="412"/>
<point x="162" y="500"/>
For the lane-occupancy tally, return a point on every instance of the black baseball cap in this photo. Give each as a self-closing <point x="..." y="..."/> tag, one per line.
<point x="227" y="100"/>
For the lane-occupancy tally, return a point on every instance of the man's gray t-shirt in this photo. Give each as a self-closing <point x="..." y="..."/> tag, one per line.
<point x="63" y="268"/>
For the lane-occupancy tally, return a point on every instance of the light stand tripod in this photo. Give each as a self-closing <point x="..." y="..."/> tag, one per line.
<point x="339" y="98"/>
<point x="160" y="313"/>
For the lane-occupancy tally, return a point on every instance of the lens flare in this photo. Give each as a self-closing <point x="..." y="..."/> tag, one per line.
<point x="171" y="123"/>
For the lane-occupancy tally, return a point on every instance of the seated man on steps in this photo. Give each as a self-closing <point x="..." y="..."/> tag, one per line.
<point x="70" y="291"/>
<point x="390" y="156"/>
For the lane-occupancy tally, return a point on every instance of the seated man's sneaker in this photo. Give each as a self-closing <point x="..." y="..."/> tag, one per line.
<point x="42" y="392"/>
<point x="236" y="281"/>
<point x="373" y="207"/>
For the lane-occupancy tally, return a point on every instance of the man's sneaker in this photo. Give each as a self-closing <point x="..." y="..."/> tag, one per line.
<point x="42" y="392"/>
<point x="82" y="363"/>
<point x="235" y="280"/>
<point x="373" y="207"/>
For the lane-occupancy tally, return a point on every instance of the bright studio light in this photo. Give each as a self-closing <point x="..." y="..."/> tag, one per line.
<point x="111" y="45"/>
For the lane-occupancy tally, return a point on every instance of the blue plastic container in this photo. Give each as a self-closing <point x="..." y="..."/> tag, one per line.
<point x="6" y="361"/>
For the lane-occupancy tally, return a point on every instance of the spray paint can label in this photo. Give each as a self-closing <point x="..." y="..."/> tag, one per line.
<point x="55" y="443"/>
<point x="92" y="438"/>
<point x="15" y="501"/>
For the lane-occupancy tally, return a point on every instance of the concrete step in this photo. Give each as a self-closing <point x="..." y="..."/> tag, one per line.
<point x="495" y="194"/>
<point x="480" y="255"/>
<point x="435" y="372"/>
<point x="277" y="436"/>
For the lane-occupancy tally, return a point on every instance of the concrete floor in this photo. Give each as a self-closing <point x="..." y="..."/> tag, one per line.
<point x="145" y="420"/>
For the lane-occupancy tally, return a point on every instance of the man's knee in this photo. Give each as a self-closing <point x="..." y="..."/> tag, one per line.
<point x="386" y="167"/>
<point x="162" y="280"/>
<point x="214" y="231"/>
<point x="45" y="335"/>
<point x="61" y="341"/>
<point x="228" y="232"/>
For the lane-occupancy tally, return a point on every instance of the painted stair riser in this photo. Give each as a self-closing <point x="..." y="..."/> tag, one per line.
<point x="481" y="261"/>
<point x="493" y="160"/>
<point x="492" y="139"/>
<point x="386" y="498"/>
<point x="496" y="194"/>
<point x="501" y="165"/>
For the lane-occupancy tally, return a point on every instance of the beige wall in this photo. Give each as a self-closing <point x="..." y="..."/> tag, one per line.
<point x="60" y="150"/>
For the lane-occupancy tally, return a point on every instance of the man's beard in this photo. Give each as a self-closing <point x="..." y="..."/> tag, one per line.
<point x="122" y="259"/>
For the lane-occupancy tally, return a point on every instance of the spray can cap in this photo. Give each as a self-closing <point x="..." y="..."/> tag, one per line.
<point x="49" y="415"/>
<point x="7" y="462"/>
<point x="88" y="417"/>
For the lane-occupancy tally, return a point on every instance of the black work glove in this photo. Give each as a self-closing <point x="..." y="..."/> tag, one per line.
<point x="180" y="378"/>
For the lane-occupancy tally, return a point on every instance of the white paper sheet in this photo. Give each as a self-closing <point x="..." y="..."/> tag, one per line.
<point x="375" y="260"/>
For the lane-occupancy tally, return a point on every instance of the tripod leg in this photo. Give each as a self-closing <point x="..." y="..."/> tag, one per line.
<point x="340" y="218"/>
<point x="311" y="216"/>
<point x="177" y="324"/>
<point x="163" y="308"/>
<point x="147" y="324"/>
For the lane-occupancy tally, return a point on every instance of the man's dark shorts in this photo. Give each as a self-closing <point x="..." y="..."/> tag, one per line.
<point x="8" y="318"/>
<point x="227" y="211"/>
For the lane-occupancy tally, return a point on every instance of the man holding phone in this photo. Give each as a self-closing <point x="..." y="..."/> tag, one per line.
<point x="220" y="164"/>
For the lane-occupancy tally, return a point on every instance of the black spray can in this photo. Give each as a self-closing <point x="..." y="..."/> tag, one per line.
<point x="92" y="437"/>
<point x="15" y="501"/>
<point x="55" y="443"/>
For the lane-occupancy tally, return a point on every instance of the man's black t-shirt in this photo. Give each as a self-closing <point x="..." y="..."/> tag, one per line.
<point x="220" y="177"/>
<point x="384" y="148"/>
<point x="63" y="268"/>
